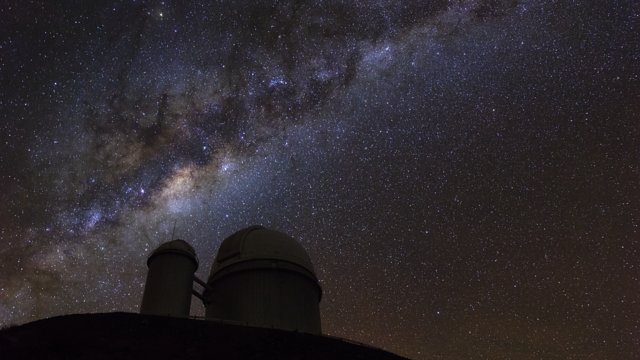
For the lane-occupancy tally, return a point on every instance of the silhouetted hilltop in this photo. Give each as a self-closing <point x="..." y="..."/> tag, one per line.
<point x="135" y="336"/>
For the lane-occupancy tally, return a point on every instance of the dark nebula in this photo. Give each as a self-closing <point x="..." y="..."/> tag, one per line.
<point x="465" y="174"/>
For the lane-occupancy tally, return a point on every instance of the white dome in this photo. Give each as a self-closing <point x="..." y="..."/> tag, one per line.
<point x="259" y="243"/>
<point x="175" y="246"/>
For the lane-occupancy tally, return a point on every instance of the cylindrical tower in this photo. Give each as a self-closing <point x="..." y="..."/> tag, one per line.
<point x="169" y="280"/>
<point x="263" y="277"/>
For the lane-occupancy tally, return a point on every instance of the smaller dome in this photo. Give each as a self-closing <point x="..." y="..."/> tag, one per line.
<point x="180" y="247"/>
<point x="260" y="243"/>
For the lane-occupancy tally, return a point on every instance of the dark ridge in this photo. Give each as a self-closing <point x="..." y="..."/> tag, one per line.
<point x="135" y="336"/>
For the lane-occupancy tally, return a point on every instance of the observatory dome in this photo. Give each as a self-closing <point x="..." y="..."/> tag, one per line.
<point x="260" y="243"/>
<point x="263" y="277"/>
<point x="169" y="284"/>
<point x="178" y="247"/>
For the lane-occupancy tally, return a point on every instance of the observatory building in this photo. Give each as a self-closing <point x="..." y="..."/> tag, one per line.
<point x="260" y="277"/>
<point x="170" y="280"/>
<point x="264" y="277"/>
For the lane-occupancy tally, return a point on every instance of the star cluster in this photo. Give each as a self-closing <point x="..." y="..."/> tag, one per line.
<point x="465" y="174"/>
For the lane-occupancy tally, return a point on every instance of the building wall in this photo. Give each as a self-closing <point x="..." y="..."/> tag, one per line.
<point x="266" y="297"/>
<point x="169" y="284"/>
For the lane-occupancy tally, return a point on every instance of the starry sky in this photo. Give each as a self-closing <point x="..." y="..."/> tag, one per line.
<point x="464" y="174"/>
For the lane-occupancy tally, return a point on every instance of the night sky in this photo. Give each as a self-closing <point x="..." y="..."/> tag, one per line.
<point x="464" y="174"/>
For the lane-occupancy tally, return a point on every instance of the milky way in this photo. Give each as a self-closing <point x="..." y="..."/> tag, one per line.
<point x="464" y="174"/>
